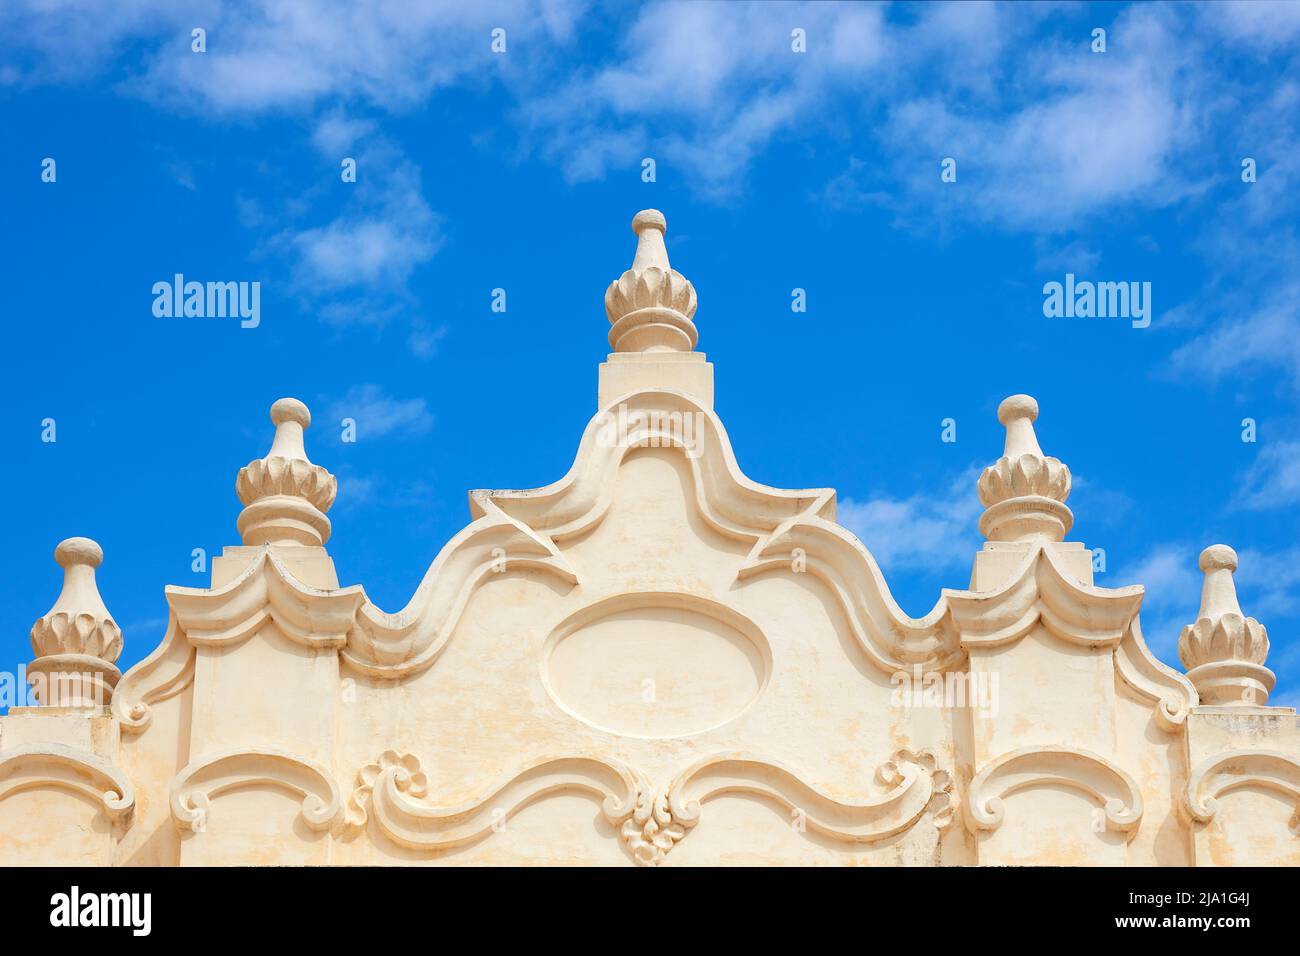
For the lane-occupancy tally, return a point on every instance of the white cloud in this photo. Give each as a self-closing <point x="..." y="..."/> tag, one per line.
<point x="1273" y="479"/>
<point x="1269" y="582"/>
<point x="1271" y="24"/>
<point x="717" y="81"/>
<point x="423" y="340"/>
<point x="919" y="532"/>
<point x="1098" y="131"/>
<point x="378" y="415"/>
<point x="267" y="55"/>
<point x="385" y="231"/>
<point x="1172" y="579"/>
<point x="1267" y="337"/>
<point x="1075" y="256"/>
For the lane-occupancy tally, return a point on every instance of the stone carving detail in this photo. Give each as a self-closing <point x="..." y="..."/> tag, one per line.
<point x="65" y="768"/>
<point x="389" y="791"/>
<point x="166" y="672"/>
<point x="396" y="645"/>
<point x="1224" y="651"/>
<point x="1237" y="770"/>
<point x="891" y="639"/>
<point x="76" y="642"/>
<point x="266" y="591"/>
<point x="1024" y="491"/>
<point x="408" y="778"/>
<point x="651" y="305"/>
<point x="1172" y="693"/>
<point x="194" y="788"/>
<point x="285" y="496"/>
<point x="652" y="830"/>
<point x="1042" y="592"/>
<point x="1110" y="787"/>
<point x="916" y="786"/>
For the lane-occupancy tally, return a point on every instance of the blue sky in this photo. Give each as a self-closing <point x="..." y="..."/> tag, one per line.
<point x="776" y="170"/>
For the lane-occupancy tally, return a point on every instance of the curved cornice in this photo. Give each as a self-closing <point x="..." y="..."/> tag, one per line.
<point x="916" y="785"/>
<point x="1041" y="591"/>
<point x="65" y="768"/>
<point x="391" y="790"/>
<point x="891" y="640"/>
<point x="1110" y="787"/>
<point x="793" y="529"/>
<point x="193" y="789"/>
<point x="266" y="590"/>
<point x="166" y="672"/>
<point x="394" y="645"/>
<point x="1172" y="693"/>
<point x="730" y="502"/>
<point x="1235" y="770"/>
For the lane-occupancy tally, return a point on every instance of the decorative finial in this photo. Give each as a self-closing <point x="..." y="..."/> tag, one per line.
<point x="77" y="641"/>
<point x="284" y="494"/>
<point x="1224" y="651"/>
<point x="651" y="305"/>
<point x="1024" y="491"/>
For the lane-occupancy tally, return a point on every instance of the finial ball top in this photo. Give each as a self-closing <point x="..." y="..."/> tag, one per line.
<point x="1218" y="556"/>
<point x="1016" y="407"/>
<point x="651" y="218"/>
<point x="290" y="410"/>
<point x="73" y="551"/>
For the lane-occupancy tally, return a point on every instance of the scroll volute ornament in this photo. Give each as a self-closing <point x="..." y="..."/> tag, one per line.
<point x="1024" y="491"/>
<point x="284" y="494"/>
<point x="1224" y="651"/>
<point x="76" y="642"/>
<point x="651" y="306"/>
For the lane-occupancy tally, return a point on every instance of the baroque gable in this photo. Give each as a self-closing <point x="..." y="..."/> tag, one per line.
<point x="654" y="660"/>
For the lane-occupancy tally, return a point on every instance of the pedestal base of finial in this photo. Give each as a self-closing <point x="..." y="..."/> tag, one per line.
<point x="995" y="565"/>
<point x="283" y="519"/>
<point x="1233" y="683"/>
<point x="77" y="681"/>
<point x="1026" y="516"/>
<point x="312" y="566"/>
<point x="626" y="372"/>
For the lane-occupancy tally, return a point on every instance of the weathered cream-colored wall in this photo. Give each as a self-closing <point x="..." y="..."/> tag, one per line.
<point x="654" y="660"/>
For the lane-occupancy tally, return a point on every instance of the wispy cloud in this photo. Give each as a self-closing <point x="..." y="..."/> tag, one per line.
<point x="919" y="532"/>
<point x="378" y="415"/>
<point x="1273" y="480"/>
<point x="1169" y="573"/>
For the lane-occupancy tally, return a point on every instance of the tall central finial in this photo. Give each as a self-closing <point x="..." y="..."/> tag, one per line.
<point x="651" y="305"/>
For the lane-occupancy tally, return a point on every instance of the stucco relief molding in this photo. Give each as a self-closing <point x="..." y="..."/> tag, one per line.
<point x="1172" y="693"/>
<point x="166" y="672"/>
<point x="772" y="520"/>
<point x="266" y="591"/>
<point x="1236" y="770"/>
<point x="916" y="785"/>
<point x="194" y="788"/>
<point x="890" y="639"/>
<point x="1111" y="788"/>
<point x="55" y="766"/>
<point x="1041" y="591"/>
<point x="729" y="502"/>
<point x="394" y="645"/>
<point x="392" y="791"/>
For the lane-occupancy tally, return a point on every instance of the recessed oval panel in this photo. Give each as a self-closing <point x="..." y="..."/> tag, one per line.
<point x="656" y="665"/>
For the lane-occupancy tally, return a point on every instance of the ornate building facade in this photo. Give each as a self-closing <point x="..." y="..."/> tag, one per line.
<point x="654" y="660"/>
